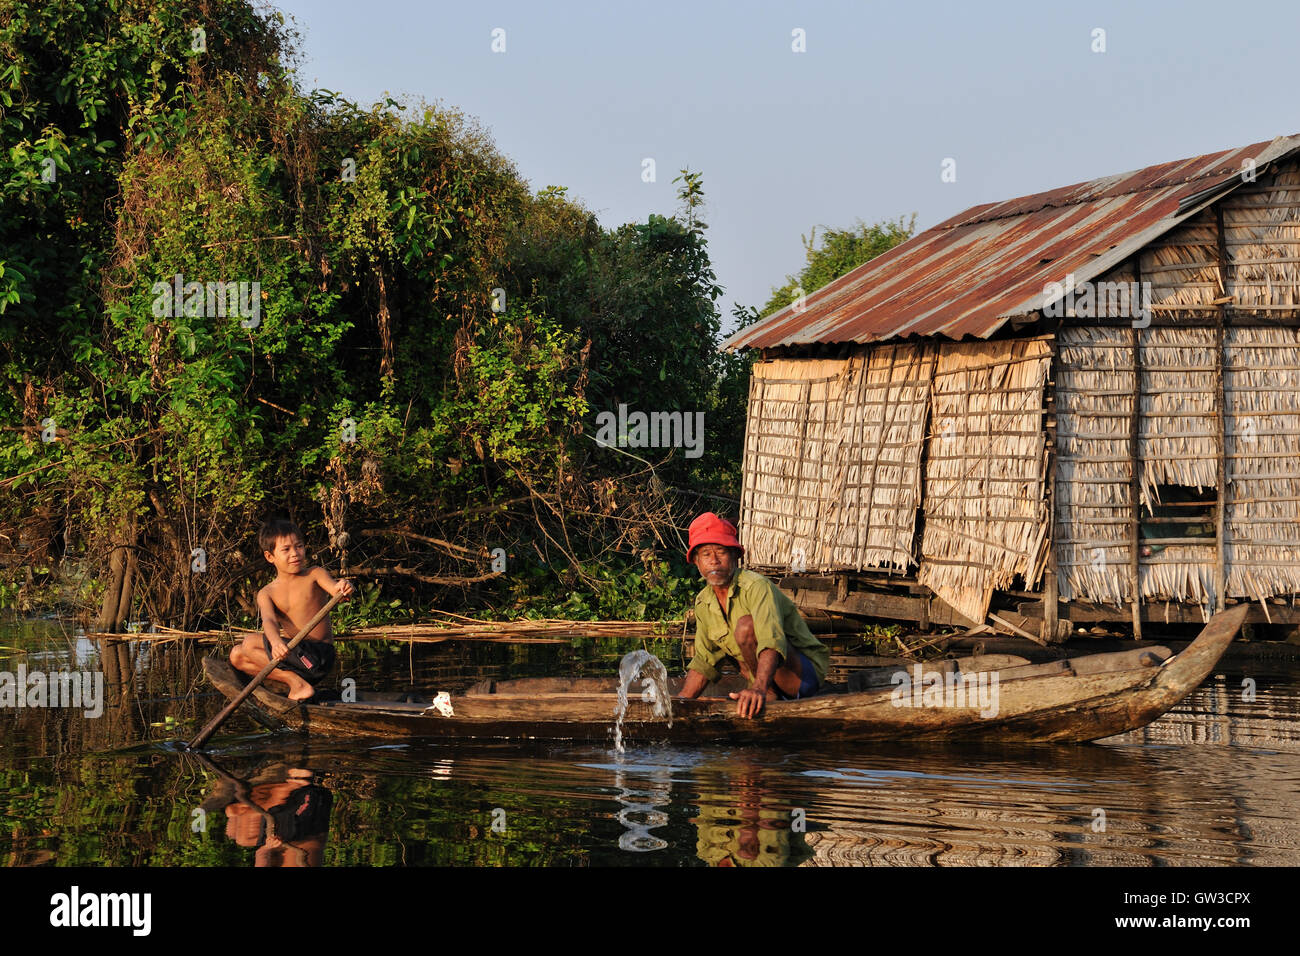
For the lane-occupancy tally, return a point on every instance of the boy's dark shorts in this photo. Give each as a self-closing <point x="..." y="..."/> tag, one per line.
<point x="306" y="813"/>
<point x="310" y="660"/>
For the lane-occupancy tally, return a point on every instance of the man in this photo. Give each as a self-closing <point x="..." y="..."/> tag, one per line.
<point x="742" y="615"/>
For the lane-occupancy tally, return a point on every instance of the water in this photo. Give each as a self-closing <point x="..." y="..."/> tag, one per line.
<point x="1216" y="782"/>
<point x="654" y="681"/>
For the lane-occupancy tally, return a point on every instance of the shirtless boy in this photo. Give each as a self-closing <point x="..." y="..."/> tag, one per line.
<point x="289" y="602"/>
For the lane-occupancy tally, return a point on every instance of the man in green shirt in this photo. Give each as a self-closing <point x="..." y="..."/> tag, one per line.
<point x="744" y="616"/>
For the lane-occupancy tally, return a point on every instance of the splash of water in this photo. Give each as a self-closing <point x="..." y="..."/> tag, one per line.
<point x="641" y="812"/>
<point x="654" y="683"/>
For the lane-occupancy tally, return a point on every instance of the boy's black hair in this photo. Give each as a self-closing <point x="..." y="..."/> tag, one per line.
<point x="274" y="530"/>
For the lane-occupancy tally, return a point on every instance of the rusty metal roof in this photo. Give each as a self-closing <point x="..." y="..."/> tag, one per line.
<point x="970" y="275"/>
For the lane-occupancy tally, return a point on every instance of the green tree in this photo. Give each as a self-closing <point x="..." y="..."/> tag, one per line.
<point x="368" y="379"/>
<point x="841" y="251"/>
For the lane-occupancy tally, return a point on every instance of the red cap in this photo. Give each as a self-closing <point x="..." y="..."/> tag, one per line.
<point x="708" y="528"/>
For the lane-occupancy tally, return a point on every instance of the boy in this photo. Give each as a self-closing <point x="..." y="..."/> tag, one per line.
<point x="289" y="602"/>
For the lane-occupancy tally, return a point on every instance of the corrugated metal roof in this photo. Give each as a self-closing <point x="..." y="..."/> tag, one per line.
<point x="971" y="274"/>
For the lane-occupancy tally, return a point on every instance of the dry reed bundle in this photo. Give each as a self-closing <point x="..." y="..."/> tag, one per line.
<point x="985" y="513"/>
<point x="1094" y="502"/>
<point x="794" y="427"/>
<point x="539" y="631"/>
<point x="1179" y="427"/>
<point x="832" y="459"/>
<point x="1262" y="384"/>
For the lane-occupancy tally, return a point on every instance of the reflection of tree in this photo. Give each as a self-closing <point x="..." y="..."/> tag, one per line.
<point x="116" y="726"/>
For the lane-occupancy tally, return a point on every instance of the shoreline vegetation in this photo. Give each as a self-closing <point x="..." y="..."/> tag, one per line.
<point x="368" y="323"/>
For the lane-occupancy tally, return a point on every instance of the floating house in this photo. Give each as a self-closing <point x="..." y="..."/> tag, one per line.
<point x="1080" y="405"/>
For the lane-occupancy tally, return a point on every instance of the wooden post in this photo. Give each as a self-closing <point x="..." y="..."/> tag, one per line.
<point x="1051" y="593"/>
<point x="753" y="406"/>
<point x="1135" y="488"/>
<point x="1221" y="471"/>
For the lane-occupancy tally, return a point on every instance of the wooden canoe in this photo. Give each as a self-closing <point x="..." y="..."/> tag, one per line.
<point x="1082" y="699"/>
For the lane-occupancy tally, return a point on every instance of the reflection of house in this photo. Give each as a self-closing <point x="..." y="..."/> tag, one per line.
<point x="1069" y="353"/>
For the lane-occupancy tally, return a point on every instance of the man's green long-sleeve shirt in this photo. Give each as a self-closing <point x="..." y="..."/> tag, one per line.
<point x="777" y="626"/>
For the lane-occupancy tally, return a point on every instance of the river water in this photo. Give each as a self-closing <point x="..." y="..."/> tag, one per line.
<point x="1215" y="782"/>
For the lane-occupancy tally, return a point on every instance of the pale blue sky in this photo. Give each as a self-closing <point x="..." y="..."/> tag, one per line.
<point x="855" y="127"/>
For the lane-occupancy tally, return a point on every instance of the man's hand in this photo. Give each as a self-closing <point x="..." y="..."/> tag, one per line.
<point x="749" y="702"/>
<point x="694" y="683"/>
<point x="345" y="588"/>
<point x="279" y="649"/>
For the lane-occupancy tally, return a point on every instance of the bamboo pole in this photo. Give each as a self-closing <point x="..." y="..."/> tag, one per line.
<point x="1051" y="593"/>
<point x="1221" y="464"/>
<point x="1135" y="483"/>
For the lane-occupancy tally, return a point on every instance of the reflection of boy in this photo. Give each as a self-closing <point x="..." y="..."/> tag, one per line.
<point x="291" y="830"/>
<point x="289" y="602"/>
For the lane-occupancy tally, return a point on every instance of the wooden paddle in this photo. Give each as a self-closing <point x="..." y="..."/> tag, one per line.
<point x="202" y="737"/>
<point x="242" y="790"/>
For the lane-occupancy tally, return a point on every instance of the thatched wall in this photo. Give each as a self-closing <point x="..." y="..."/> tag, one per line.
<point x="1262" y="381"/>
<point x="1261" y="242"/>
<point x="832" y="459"/>
<point x="1094" y="401"/>
<point x="1179" y="445"/>
<point x="792" y="406"/>
<point x="833" y="465"/>
<point x="984" y="503"/>
<point x="1242" y="255"/>
<point x="833" y="453"/>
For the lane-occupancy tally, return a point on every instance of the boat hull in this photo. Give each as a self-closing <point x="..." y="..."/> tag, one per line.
<point x="1069" y="706"/>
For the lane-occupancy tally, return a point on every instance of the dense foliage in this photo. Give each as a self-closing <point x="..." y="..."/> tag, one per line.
<point x="224" y="297"/>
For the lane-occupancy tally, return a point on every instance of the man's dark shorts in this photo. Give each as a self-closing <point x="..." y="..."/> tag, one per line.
<point x="310" y="660"/>
<point x="808" y="682"/>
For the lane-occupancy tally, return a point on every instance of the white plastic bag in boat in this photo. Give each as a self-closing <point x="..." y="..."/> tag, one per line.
<point x="443" y="704"/>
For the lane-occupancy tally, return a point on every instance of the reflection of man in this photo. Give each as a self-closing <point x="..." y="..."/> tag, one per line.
<point x="744" y="616"/>
<point x="747" y="836"/>
<point x="745" y="824"/>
